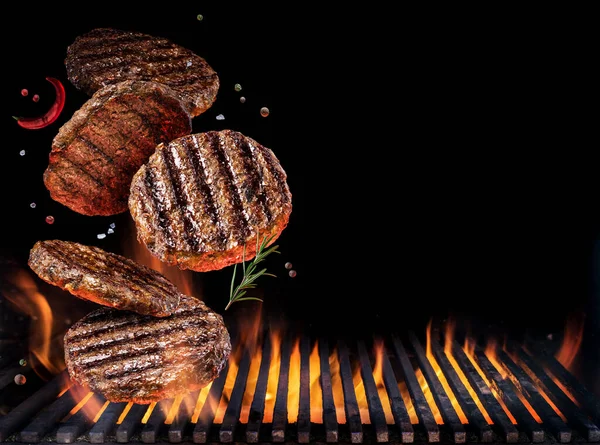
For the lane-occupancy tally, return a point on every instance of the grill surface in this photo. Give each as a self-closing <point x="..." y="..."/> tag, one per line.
<point x="516" y="392"/>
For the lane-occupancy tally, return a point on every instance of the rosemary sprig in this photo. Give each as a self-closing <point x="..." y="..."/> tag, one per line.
<point x="250" y="275"/>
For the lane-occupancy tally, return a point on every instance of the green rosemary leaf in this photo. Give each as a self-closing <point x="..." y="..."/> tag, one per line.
<point x="249" y="275"/>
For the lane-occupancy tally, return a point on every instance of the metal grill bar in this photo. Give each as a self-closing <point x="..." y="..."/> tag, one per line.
<point x="494" y="409"/>
<point x="280" y="410"/>
<point x="352" y="412"/>
<point x="21" y="414"/>
<point x="566" y="406"/>
<point x="329" y="411"/>
<point x="439" y="394"/>
<point x="258" y="402"/>
<point x="106" y="423"/>
<point x="416" y="393"/>
<point x="304" y="402"/>
<point x="44" y="421"/>
<point x="234" y="407"/>
<point x="207" y="414"/>
<point x="375" y="407"/>
<point x="554" y="423"/>
<point x="470" y="408"/>
<point x="587" y="400"/>
<point x="183" y="417"/>
<point x="131" y="422"/>
<point x="399" y="411"/>
<point x="156" y="421"/>
<point x="80" y="421"/>
<point x="508" y="394"/>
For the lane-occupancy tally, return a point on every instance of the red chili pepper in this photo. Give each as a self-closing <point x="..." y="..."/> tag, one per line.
<point x="35" y="123"/>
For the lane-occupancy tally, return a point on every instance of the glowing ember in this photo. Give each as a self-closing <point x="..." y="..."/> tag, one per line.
<point x="24" y="92"/>
<point x="35" y="98"/>
<point x="264" y="111"/>
<point x="237" y="87"/>
<point x="50" y="219"/>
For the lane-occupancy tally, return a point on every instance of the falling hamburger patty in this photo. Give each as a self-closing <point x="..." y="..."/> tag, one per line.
<point x="106" y="56"/>
<point x="200" y="198"/>
<point x="129" y="357"/>
<point x="93" y="274"/>
<point x="96" y="153"/>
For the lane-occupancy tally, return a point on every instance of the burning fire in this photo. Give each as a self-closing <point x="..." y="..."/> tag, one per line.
<point x="182" y="279"/>
<point x="573" y="336"/>
<point x="45" y="340"/>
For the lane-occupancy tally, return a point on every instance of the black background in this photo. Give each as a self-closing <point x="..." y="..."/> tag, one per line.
<point x="437" y="166"/>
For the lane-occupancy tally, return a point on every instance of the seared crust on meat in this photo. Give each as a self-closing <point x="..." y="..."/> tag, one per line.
<point x="129" y="357"/>
<point x="106" y="56"/>
<point x="202" y="197"/>
<point x="96" y="153"/>
<point x="93" y="274"/>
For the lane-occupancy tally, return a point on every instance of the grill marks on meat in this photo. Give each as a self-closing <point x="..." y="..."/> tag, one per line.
<point x="91" y="273"/>
<point x="131" y="357"/>
<point x="106" y="56"/>
<point x="96" y="153"/>
<point x="201" y="197"/>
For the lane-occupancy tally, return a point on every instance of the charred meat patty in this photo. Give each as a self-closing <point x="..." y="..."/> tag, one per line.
<point x="128" y="357"/>
<point x="201" y="198"/>
<point x="96" y="153"/>
<point x="107" y="56"/>
<point x="93" y="274"/>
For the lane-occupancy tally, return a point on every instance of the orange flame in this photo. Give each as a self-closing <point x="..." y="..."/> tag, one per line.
<point x="491" y="353"/>
<point x="437" y="415"/>
<point x="227" y="388"/>
<point x="412" y="414"/>
<point x="378" y="376"/>
<point x="573" y="336"/>
<point x="316" y="393"/>
<point x="23" y="293"/>
<point x="88" y="404"/>
<point x="361" y="396"/>
<point x="293" y="398"/>
<point x="336" y="385"/>
<point x="470" y="351"/>
<point x="200" y="402"/>
<point x="442" y="378"/>
<point x="182" y="279"/>
<point x="273" y="379"/>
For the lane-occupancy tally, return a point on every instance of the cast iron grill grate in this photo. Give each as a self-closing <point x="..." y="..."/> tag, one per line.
<point x="422" y="393"/>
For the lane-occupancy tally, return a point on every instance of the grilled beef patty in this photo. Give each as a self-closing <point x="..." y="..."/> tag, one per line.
<point x="129" y="357"/>
<point x="106" y="56"/>
<point x="200" y="198"/>
<point x="91" y="273"/>
<point x="96" y="153"/>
